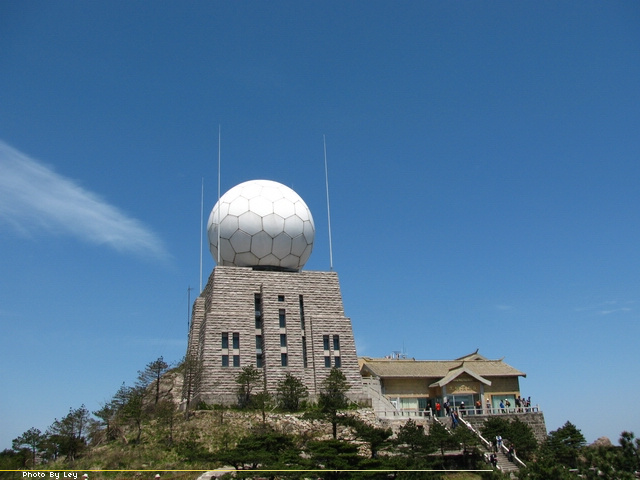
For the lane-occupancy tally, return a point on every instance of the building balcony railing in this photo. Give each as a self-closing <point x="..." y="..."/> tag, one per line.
<point x="503" y="411"/>
<point x="395" y="413"/>
<point x="428" y="413"/>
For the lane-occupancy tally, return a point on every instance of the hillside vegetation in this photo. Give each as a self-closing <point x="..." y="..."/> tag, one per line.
<point x="142" y="432"/>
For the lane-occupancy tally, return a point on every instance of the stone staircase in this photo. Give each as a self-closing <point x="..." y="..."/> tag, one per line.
<point x="382" y="406"/>
<point x="379" y="402"/>
<point x="503" y="464"/>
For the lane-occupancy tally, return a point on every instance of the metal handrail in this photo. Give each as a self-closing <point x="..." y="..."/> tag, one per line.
<point x="496" y="411"/>
<point x="505" y="450"/>
<point x="489" y="445"/>
<point x="399" y="412"/>
<point x="405" y="413"/>
<point x="486" y="442"/>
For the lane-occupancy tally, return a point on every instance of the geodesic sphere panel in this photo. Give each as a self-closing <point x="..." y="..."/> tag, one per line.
<point x="261" y="223"/>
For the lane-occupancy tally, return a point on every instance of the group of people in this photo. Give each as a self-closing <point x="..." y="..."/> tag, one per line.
<point x="522" y="405"/>
<point x="447" y="409"/>
<point x="497" y="443"/>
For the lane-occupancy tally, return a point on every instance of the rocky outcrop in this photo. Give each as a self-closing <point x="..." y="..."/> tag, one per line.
<point x="602" y="442"/>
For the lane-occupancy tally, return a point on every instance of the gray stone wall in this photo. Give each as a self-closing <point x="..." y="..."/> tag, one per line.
<point x="534" y="419"/>
<point x="227" y="305"/>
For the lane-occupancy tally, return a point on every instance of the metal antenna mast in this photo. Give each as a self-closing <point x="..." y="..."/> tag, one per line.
<point x="201" y="222"/>
<point x="189" y="308"/>
<point x="219" y="141"/>
<point x="326" y="178"/>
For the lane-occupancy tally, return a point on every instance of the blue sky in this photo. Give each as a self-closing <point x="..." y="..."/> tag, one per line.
<point x="483" y="169"/>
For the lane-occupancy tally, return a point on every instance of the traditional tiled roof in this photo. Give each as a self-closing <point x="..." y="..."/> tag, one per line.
<point x="456" y="372"/>
<point x="474" y="364"/>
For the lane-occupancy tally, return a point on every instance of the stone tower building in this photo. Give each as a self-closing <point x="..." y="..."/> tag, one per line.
<point x="259" y="308"/>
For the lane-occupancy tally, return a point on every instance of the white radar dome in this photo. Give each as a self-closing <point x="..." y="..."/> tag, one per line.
<point x="261" y="223"/>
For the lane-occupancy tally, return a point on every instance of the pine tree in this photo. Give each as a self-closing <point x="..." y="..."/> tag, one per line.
<point x="291" y="391"/>
<point x="67" y="434"/>
<point x="106" y="414"/>
<point x="375" y="437"/>
<point x="133" y="409"/>
<point x="248" y="378"/>
<point x="630" y="451"/>
<point x="33" y="440"/>
<point x="333" y="397"/>
<point x="565" y="443"/>
<point x="151" y="376"/>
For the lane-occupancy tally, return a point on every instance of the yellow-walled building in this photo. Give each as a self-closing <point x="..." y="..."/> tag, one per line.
<point x="472" y="382"/>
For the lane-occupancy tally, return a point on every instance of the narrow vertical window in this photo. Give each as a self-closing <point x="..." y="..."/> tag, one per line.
<point x="327" y="361"/>
<point x="225" y="360"/>
<point x="336" y="342"/>
<point x="236" y="341"/>
<point x="283" y="359"/>
<point x="283" y="340"/>
<point x="282" y="318"/>
<point x="225" y="340"/>
<point x="325" y="342"/>
<point x="302" y="323"/>
<point x="259" y="351"/>
<point x="304" y="352"/>
<point x="236" y="360"/>
<point x="337" y="362"/>
<point x="258" y="309"/>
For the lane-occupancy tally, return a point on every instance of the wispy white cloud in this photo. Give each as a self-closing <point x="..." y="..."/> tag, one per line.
<point x="33" y="198"/>
<point x="608" y="307"/>
<point x="614" y="310"/>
